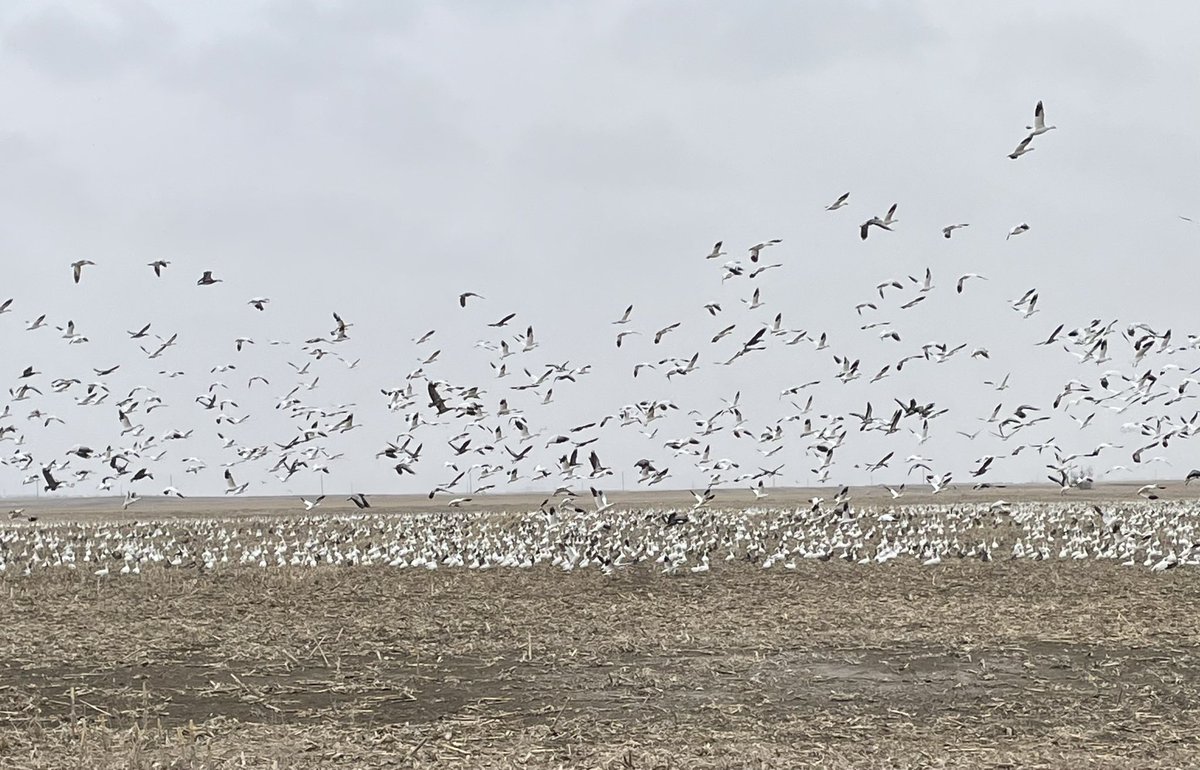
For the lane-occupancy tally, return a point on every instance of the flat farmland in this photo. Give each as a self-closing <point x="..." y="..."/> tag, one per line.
<point x="1004" y="662"/>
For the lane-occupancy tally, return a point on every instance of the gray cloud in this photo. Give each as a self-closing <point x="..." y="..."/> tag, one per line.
<point x="106" y="41"/>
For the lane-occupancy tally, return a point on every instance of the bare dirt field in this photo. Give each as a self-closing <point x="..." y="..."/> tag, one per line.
<point x="833" y="664"/>
<point x="85" y="508"/>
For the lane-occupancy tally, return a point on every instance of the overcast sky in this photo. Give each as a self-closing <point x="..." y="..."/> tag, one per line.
<point x="565" y="160"/>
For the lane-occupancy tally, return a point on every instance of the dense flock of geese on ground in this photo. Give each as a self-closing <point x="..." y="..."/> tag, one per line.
<point x="1155" y="535"/>
<point x="490" y="437"/>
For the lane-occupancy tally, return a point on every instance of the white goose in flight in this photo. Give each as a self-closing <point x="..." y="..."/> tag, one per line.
<point x="884" y="224"/>
<point x="1020" y="229"/>
<point x="1039" y="126"/>
<point x="842" y="200"/>
<point x="232" y="487"/>
<point x="1022" y="148"/>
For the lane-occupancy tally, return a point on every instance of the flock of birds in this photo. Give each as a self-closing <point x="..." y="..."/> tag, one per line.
<point x="489" y="441"/>
<point x="1157" y="536"/>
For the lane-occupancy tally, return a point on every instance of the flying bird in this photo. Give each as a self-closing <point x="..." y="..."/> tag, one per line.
<point x="1020" y="229"/>
<point x="837" y="204"/>
<point x="964" y="278"/>
<point x="1039" y="121"/>
<point x="77" y="267"/>
<point x="1022" y="148"/>
<point x="758" y="247"/>
<point x="232" y="487"/>
<point x="503" y="321"/>
<point x="658" y="335"/>
<point x="884" y="224"/>
<point x="436" y="400"/>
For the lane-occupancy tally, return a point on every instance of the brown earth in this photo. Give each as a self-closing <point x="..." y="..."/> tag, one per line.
<point x="969" y="664"/>
<point x="52" y="509"/>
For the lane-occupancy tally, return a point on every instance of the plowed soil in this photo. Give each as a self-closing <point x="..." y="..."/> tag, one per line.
<point x="967" y="664"/>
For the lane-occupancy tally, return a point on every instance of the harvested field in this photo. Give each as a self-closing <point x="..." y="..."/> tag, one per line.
<point x="972" y="664"/>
